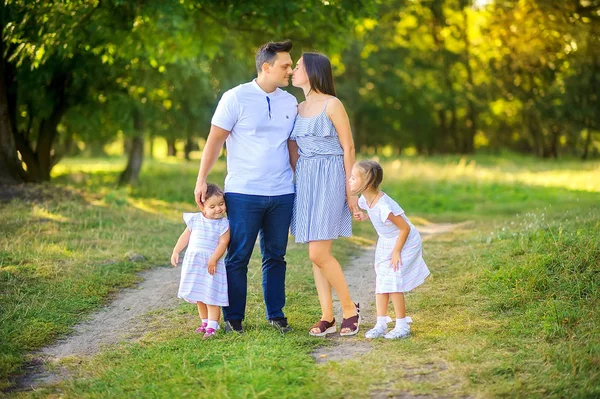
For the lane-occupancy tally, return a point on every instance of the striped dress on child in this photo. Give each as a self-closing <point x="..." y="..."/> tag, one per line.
<point x="413" y="271"/>
<point x="196" y="284"/>
<point x="320" y="208"/>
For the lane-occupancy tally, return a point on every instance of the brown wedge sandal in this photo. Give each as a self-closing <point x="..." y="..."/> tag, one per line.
<point x="325" y="327"/>
<point x="351" y="323"/>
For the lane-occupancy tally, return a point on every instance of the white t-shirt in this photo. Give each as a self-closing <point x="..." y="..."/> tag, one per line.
<point x="258" y="160"/>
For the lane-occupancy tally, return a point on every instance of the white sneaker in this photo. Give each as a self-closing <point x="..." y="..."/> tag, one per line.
<point x="396" y="333"/>
<point x="399" y="331"/>
<point x="377" y="331"/>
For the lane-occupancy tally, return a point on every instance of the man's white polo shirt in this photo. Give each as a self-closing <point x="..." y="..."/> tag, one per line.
<point x="258" y="160"/>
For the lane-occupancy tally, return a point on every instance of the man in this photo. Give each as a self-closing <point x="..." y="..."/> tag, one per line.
<point x="255" y="119"/>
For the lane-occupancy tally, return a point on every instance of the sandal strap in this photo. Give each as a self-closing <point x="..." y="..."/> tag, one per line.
<point x="350" y="322"/>
<point x="323" y="325"/>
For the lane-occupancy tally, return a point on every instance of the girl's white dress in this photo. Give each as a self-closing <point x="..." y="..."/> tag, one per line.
<point x="196" y="284"/>
<point x="413" y="271"/>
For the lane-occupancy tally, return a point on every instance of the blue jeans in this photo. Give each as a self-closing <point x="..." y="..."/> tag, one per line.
<point x="248" y="216"/>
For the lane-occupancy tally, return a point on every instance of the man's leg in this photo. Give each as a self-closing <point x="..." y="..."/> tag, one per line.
<point x="273" y="243"/>
<point x="245" y="213"/>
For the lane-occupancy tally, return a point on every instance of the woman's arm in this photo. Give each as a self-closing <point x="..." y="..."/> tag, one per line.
<point x="182" y="242"/>
<point x="404" y="232"/>
<point x="339" y="117"/>
<point x="219" y="252"/>
<point x="293" y="149"/>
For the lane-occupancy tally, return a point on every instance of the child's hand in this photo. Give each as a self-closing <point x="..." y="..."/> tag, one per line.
<point x="360" y="216"/>
<point x="212" y="267"/>
<point x="396" y="262"/>
<point x="174" y="259"/>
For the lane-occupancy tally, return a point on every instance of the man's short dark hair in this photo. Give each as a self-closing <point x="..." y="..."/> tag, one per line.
<point x="268" y="52"/>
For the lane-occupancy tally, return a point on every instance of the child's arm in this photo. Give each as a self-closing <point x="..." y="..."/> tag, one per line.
<point x="183" y="241"/>
<point x="219" y="251"/>
<point x="404" y="232"/>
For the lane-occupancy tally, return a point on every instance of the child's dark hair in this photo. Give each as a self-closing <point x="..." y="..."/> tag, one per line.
<point x="373" y="174"/>
<point x="212" y="190"/>
<point x="267" y="52"/>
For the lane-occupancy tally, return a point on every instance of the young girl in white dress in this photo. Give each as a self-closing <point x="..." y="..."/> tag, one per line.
<point x="399" y="263"/>
<point x="203" y="275"/>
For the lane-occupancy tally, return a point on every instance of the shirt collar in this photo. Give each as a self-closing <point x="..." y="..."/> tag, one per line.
<point x="272" y="94"/>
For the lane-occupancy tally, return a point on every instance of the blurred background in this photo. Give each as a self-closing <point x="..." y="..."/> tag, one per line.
<point x="140" y="79"/>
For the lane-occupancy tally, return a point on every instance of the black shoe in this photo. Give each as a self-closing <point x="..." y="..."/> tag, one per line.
<point x="234" y="326"/>
<point x="281" y="324"/>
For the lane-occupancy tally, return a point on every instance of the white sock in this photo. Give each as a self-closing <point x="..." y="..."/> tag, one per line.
<point x="402" y="323"/>
<point x="204" y="321"/>
<point x="383" y="320"/>
<point x="212" y="324"/>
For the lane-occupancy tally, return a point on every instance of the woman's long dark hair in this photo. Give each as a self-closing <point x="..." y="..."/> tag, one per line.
<point x="320" y="75"/>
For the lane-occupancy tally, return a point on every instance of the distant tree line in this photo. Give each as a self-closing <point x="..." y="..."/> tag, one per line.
<point x="447" y="76"/>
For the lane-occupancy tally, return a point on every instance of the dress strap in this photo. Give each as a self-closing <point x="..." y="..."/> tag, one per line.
<point x="326" y="101"/>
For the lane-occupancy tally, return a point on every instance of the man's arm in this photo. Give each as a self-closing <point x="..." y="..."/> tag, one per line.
<point x="210" y="154"/>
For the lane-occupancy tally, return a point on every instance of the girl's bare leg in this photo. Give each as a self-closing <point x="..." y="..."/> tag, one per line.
<point x="381" y="301"/>
<point x="399" y="305"/>
<point x="202" y="310"/>
<point x="214" y="312"/>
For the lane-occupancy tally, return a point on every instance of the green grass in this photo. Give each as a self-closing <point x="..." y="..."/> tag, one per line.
<point x="510" y="310"/>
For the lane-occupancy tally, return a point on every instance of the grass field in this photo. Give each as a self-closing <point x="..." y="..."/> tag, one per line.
<point x="511" y="310"/>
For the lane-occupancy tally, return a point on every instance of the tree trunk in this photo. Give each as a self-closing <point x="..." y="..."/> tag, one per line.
<point x="469" y="143"/>
<point x="151" y="146"/>
<point x="136" y="152"/>
<point x="553" y="150"/>
<point x="437" y="23"/>
<point x="443" y="147"/>
<point x="588" y="139"/>
<point x="171" y="150"/>
<point x="41" y="161"/>
<point x="96" y="149"/>
<point x="190" y="145"/>
<point x="11" y="169"/>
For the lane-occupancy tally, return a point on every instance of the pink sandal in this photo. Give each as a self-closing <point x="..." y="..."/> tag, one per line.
<point x="201" y="329"/>
<point x="210" y="333"/>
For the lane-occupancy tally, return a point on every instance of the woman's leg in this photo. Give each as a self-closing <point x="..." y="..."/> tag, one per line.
<point x="202" y="310"/>
<point x="324" y="292"/>
<point x="320" y="253"/>
<point x="399" y="306"/>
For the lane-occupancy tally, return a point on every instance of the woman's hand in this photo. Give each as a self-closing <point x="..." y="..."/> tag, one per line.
<point x="174" y="259"/>
<point x="396" y="262"/>
<point x="353" y="203"/>
<point x="212" y="266"/>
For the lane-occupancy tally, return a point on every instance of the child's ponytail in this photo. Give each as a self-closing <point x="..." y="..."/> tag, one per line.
<point x="373" y="173"/>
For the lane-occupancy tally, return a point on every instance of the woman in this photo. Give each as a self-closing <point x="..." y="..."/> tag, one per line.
<point x="322" y="156"/>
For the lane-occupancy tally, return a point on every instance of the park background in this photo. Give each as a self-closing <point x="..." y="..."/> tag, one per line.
<point x="480" y="111"/>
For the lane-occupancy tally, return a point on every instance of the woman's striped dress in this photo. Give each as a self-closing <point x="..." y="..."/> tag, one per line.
<point x="320" y="209"/>
<point x="413" y="271"/>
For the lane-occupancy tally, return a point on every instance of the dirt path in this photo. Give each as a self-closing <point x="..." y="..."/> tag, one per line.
<point x="120" y="320"/>
<point x="360" y="278"/>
